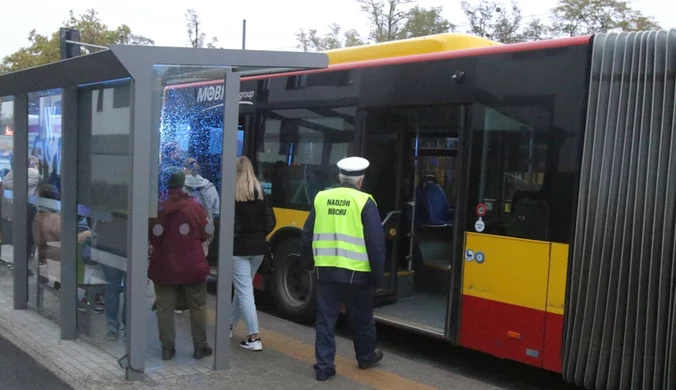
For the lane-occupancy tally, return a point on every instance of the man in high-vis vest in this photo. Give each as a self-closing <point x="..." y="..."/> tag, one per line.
<point x="348" y="248"/>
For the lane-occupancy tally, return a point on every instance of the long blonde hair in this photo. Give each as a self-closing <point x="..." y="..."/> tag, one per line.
<point x="248" y="187"/>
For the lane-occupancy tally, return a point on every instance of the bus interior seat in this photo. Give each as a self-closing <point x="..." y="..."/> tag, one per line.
<point x="433" y="238"/>
<point x="529" y="217"/>
<point x="560" y="199"/>
<point x="438" y="211"/>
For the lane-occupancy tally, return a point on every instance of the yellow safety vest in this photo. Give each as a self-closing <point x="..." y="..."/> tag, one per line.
<point x="338" y="236"/>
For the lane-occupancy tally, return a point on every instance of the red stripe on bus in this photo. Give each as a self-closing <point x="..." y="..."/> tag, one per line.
<point x="553" y="342"/>
<point x="500" y="49"/>
<point x="503" y="330"/>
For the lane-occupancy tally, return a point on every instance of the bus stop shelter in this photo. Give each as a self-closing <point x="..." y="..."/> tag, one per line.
<point x="93" y="125"/>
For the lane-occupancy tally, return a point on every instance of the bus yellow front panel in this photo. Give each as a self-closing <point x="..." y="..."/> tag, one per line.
<point x="289" y="218"/>
<point x="512" y="270"/>
<point x="558" y="271"/>
<point x="556" y="297"/>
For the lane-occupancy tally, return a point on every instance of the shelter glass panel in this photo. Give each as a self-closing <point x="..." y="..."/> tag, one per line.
<point x="104" y="133"/>
<point x="44" y="202"/>
<point x="6" y="151"/>
<point x="187" y="127"/>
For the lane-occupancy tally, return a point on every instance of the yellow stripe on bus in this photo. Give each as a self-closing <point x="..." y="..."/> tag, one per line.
<point x="558" y="271"/>
<point x="407" y="47"/>
<point x="513" y="270"/>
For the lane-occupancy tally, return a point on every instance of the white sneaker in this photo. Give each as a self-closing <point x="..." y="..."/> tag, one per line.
<point x="252" y="345"/>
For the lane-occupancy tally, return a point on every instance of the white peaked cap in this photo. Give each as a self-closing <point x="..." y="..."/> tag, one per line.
<point x="353" y="166"/>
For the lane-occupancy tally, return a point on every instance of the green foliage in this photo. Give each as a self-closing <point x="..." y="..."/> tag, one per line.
<point x="389" y="20"/>
<point x="310" y="40"/>
<point x="386" y="18"/>
<point x="421" y="22"/>
<point x="494" y="20"/>
<point x="197" y="37"/>
<point x="45" y="49"/>
<point x="583" y="17"/>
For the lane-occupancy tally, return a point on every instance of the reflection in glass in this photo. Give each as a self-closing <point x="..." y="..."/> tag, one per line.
<point x="102" y="197"/>
<point x="189" y="132"/>
<point x="298" y="151"/>
<point x="6" y="150"/>
<point x="521" y="182"/>
<point x="44" y="201"/>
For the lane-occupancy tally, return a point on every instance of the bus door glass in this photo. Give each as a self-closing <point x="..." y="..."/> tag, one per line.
<point x="414" y="178"/>
<point x="382" y="145"/>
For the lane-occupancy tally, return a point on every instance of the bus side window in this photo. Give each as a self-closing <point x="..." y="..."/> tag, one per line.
<point x="515" y="173"/>
<point x="297" y="151"/>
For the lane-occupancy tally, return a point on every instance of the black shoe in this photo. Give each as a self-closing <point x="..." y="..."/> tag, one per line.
<point x="325" y="376"/>
<point x="168" y="353"/>
<point x="202" y="352"/>
<point x="377" y="357"/>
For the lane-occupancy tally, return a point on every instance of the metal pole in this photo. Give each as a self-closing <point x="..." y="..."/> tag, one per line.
<point x="69" y="123"/>
<point x="243" y="34"/>
<point x="229" y="154"/>
<point x="137" y="230"/>
<point x="87" y="45"/>
<point x="19" y="201"/>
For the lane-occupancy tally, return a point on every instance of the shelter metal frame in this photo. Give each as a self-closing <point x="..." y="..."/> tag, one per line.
<point x="139" y="63"/>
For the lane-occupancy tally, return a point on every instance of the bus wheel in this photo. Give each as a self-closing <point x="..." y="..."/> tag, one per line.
<point x="292" y="286"/>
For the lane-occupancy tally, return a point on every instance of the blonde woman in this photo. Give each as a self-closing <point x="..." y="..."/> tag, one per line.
<point x="254" y="220"/>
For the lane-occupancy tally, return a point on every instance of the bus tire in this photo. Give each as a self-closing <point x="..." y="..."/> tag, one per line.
<point x="293" y="288"/>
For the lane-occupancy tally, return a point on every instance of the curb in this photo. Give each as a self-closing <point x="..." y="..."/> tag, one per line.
<point x="38" y="357"/>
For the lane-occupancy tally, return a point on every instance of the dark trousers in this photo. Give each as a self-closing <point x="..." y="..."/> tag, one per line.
<point x="166" y="296"/>
<point x="359" y="307"/>
<point x="114" y="278"/>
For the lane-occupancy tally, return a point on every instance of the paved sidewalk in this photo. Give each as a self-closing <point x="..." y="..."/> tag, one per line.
<point x="85" y="366"/>
<point x="17" y="369"/>
<point x="90" y="362"/>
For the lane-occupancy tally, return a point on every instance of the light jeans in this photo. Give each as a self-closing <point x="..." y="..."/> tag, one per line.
<point x="244" y="269"/>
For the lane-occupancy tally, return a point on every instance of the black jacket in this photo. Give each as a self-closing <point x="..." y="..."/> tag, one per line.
<point x="254" y="220"/>
<point x="375" y="248"/>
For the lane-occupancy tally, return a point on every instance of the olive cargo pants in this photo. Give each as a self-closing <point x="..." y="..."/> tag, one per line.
<point x="166" y="296"/>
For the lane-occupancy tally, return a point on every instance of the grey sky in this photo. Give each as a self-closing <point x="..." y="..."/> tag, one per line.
<point x="271" y="23"/>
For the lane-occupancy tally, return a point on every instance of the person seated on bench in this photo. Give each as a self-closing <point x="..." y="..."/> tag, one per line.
<point x="47" y="227"/>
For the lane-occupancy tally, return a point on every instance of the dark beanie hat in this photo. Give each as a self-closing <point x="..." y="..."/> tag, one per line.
<point x="176" y="178"/>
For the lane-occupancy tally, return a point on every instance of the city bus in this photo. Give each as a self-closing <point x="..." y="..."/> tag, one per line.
<point x="522" y="188"/>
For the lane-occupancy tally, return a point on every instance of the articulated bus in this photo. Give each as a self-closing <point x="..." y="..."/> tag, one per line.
<point x="526" y="190"/>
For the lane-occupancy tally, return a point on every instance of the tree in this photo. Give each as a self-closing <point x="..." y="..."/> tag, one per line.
<point x="389" y="20"/>
<point x="196" y="36"/>
<point x="536" y="30"/>
<point x="422" y="22"/>
<point x="45" y="49"/>
<point x="386" y="18"/>
<point x="311" y="41"/>
<point x="507" y="28"/>
<point x="492" y="20"/>
<point x="586" y="17"/>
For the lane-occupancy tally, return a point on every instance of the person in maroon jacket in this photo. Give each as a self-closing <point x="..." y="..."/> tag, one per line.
<point x="178" y="265"/>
